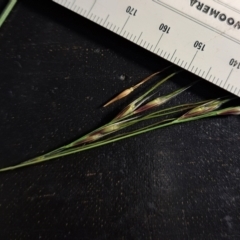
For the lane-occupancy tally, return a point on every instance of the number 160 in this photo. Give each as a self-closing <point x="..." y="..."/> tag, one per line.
<point x="164" y="28"/>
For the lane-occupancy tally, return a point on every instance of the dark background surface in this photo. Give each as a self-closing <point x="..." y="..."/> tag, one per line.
<point x="56" y="71"/>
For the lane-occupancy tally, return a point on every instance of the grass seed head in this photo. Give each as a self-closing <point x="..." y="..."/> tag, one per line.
<point x="152" y="104"/>
<point x="111" y="128"/>
<point x="125" y="112"/>
<point x="229" y="111"/>
<point x="204" y="108"/>
<point x="120" y="96"/>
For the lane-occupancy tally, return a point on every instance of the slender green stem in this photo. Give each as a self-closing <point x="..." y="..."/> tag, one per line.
<point x="7" y="10"/>
<point x="163" y="112"/>
<point x="138" y="132"/>
<point x="104" y="142"/>
<point x="190" y="105"/>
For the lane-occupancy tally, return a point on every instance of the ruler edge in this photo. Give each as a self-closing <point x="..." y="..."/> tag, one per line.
<point x="119" y="34"/>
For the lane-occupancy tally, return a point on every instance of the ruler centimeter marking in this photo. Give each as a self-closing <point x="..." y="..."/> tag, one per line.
<point x="187" y="33"/>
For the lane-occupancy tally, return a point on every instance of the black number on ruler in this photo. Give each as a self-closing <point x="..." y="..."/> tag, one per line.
<point x="199" y="45"/>
<point x="164" y="28"/>
<point x="234" y="63"/>
<point x="131" y="11"/>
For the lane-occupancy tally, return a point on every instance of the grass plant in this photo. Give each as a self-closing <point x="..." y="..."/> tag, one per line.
<point x="142" y="110"/>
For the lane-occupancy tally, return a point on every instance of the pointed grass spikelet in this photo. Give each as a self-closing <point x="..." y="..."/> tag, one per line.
<point x="120" y="96"/>
<point x="102" y="132"/>
<point x="152" y="104"/>
<point x="130" y="108"/>
<point x="126" y="111"/>
<point x="204" y="108"/>
<point x="126" y="92"/>
<point x="161" y="100"/>
<point x="229" y="111"/>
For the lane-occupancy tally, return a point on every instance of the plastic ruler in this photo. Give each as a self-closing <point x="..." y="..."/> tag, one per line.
<point x="202" y="37"/>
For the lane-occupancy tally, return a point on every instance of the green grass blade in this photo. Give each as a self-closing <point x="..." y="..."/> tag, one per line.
<point x="6" y="11"/>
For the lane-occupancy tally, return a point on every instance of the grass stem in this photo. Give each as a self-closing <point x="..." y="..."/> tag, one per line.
<point x="6" y="11"/>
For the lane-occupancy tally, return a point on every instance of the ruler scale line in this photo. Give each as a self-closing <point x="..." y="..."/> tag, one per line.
<point x="92" y="7"/>
<point x="72" y="4"/>
<point x="158" y="42"/>
<point x="173" y="54"/>
<point x="68" y="3"/>
<point x="139" y="37"/>
<point x="228" y="78"/>
<point x="125" y="24"/>
<point x="106" y="19"/>
<point x="192" y="59"/>
<point x="208" y="72"/>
